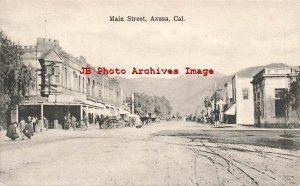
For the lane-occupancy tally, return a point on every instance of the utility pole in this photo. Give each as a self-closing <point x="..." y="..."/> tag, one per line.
<point x="215" y="96"/>
<point x="45" y="28"/>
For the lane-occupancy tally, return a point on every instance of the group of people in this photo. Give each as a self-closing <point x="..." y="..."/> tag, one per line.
<point x="70" y="122"/>
<point x="20" y="130"/>
<point x="102" y="120"/>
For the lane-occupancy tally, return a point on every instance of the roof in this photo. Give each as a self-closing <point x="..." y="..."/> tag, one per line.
<point x="51" y="55"/>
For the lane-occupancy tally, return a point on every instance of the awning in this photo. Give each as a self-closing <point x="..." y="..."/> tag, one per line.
<point x="93" y="110"/>
<point x="105" y="112"/>
<point x="231" y="110"/>
<point x="122" y="111"/>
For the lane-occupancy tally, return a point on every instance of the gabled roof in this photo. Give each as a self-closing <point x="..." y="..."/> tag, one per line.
<point x="51" y="55"/>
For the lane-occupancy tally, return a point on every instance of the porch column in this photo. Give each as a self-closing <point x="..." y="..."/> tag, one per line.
<point x="81" y="113"/>
<point x="42" y="116"/>
<point x="17" y="113"/>
<point x="87" y="113"/>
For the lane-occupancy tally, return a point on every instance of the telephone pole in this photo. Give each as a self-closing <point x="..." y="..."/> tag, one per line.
<point x="215" y="96"/>
<point x="45" y="28"/>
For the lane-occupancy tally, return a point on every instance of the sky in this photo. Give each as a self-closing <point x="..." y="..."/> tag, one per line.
<point x="226" y="36"/>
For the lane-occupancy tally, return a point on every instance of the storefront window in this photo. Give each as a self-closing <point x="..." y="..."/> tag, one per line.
<point x="279" y="102"/>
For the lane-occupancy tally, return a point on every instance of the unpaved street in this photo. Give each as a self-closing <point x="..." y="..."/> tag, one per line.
<point x="156" y="154"/>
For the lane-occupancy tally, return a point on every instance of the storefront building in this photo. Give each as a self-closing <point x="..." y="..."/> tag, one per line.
<point x="61" y="89"/>
<point x="268" y="85"/>
<point x="239" y="101"/>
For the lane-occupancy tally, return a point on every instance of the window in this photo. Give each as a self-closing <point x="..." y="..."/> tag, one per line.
<point x="279" y="103"/>
<point x="48" y="69"/>
<point x="245" y="93"/>
<point x="56" y="71"/>
<point x="233" y="96"/>
<point x="66" y="77"/>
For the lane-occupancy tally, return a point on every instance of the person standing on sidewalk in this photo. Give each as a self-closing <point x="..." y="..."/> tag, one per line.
<point x="101" y="121"/>
<point x="86" y="121"/>
<point x="34" y="120"/>
<point x="73" y="122"/>
<point x="46" y="123"/>
<point x="22" y="125"/>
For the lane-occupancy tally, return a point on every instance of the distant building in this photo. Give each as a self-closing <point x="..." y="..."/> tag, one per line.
<point x="239" y="101"/>
<point x="62" y="90"/>
<point x="267" y="86"/>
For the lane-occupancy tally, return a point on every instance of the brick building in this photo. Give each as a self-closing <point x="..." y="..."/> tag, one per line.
<point x="61" y="89"/>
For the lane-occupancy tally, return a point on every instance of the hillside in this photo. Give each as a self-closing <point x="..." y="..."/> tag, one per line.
<point x="185" y="92"/>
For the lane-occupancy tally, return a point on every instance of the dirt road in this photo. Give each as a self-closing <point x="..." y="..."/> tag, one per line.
<point x="130" y="156"/>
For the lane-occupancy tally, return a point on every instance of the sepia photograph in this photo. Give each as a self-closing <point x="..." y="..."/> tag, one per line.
<point x="149" y="93"/>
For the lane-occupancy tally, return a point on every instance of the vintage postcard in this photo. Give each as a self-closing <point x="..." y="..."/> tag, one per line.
<point x="149" y="92"/>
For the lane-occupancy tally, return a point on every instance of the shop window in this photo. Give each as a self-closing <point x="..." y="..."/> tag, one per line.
<point x="279" y="103"/>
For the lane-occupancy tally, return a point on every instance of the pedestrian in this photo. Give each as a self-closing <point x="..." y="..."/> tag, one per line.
<point x="133" y="121"/>
<point x="86" y="121"/>
<point x="29" y="119"/>
<point x="73" y="122"/>
<point x="82" y="125"/>
<point x="106" y="121"/>
<point x="101" y="121"/>
<point x="65" y="122"/>
<point x="34" y="120"/>
<point x="138" y="123"/>
<point x="46" y="123"/>
<point x="28" y="130"/>
<point x="22" y="125"/>
<point x="217" y="115"/>
<point x="12" y="131"/>
<point x="69" y="122"/>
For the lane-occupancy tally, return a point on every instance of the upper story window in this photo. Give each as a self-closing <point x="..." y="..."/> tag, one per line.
<point x="56" y="70"/>
<point x="245" y="93"/>
<point x="66" y="77"/>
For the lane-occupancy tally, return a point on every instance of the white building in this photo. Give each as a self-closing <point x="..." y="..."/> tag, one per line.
<point x="240" y="102"/>
<point x="267" y="85"/>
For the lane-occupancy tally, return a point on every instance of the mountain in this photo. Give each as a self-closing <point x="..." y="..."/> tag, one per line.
<point x="185" y="92"/>
<point x="251" y="71"/>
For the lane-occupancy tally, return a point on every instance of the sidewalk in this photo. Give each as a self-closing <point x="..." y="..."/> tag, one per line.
<point x="207" y="126"/>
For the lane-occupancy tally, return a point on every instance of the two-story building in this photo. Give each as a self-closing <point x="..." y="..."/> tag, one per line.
<point x="239" y="101"/>
<point x="61" y="89"/>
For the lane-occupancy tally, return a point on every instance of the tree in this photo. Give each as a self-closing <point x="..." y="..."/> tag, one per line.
<point x="218" y="97"/>
<point x="15" y="78"/>
<point x="285" y="96"/>
<point x="144" y="104"/>
<point x="295" y="94"/>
